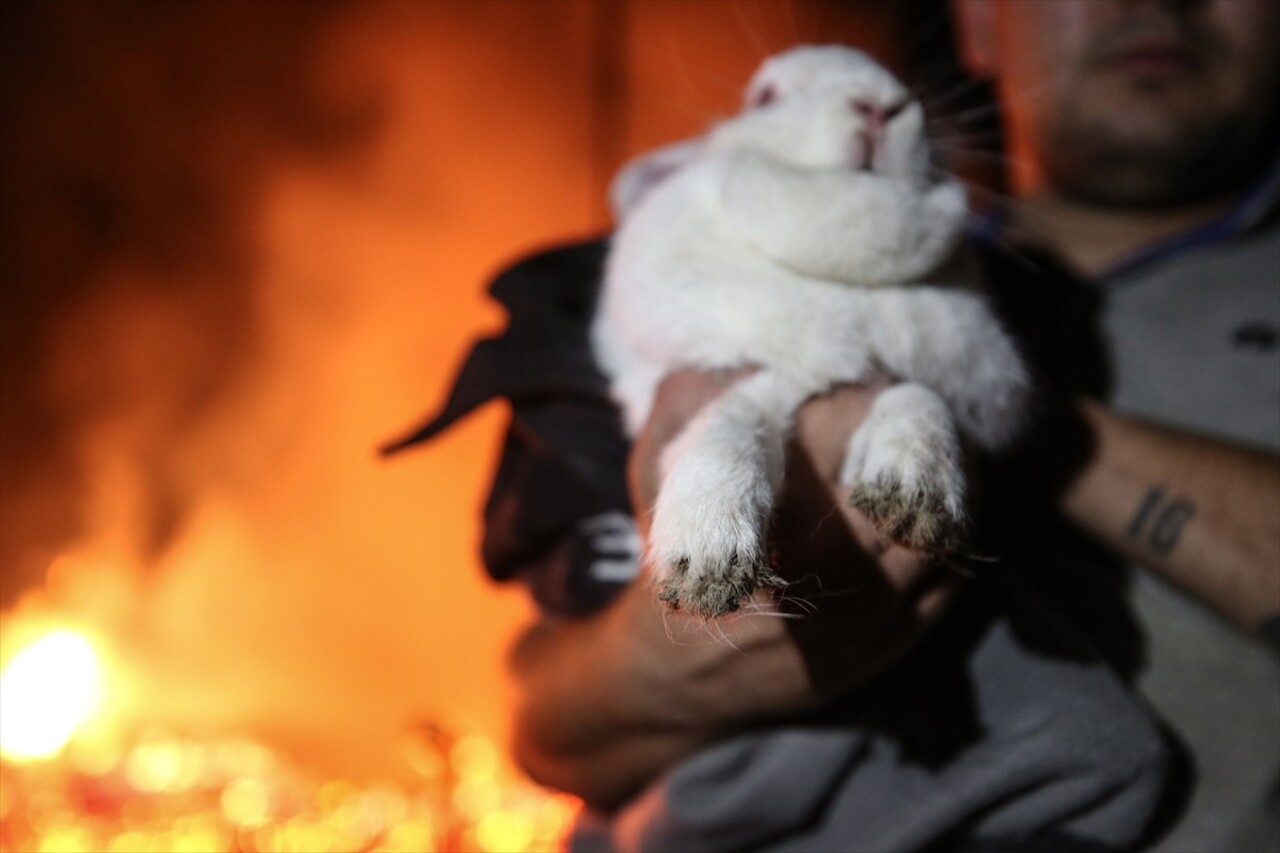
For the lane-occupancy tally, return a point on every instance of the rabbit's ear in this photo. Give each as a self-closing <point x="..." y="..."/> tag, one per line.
<point x="642" y="174"/>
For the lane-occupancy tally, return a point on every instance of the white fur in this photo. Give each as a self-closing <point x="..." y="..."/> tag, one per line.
<point x="785" y="239"/>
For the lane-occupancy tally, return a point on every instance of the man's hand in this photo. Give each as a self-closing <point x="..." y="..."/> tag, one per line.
<point x="610" y="701"/>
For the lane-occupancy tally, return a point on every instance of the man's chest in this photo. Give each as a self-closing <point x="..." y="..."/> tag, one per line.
<point x="1197" y="344"/>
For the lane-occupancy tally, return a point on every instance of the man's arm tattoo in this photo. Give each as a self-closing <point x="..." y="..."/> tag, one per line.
<point x="1158" y="523"/>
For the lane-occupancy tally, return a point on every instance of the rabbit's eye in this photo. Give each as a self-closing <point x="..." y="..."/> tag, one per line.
<point x="764" y="96"/>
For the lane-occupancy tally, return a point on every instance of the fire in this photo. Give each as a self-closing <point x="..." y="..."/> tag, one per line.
<point x="75" y="777"/>
<point x="49" y="689"/>
<point x="169" y="793"/>
<point x="274" y="259"/>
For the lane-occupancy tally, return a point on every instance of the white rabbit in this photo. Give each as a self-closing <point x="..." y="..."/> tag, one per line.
<point x="795" y="237"/>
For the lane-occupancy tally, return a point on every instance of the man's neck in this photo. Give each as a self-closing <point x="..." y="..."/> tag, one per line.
<point x="1090" y="238"/>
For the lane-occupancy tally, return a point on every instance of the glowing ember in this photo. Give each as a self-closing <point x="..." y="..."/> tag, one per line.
<point x="70" y="783"/>
<point x="168" y="793"/>
<point x="46" y="692"/>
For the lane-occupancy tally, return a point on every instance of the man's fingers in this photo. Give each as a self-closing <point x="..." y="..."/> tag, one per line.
<point x="684" y="393"/>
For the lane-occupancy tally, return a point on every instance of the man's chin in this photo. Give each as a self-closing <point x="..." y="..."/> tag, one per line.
<point x="1139" y="186"/>
<point x="1154" y="167"/>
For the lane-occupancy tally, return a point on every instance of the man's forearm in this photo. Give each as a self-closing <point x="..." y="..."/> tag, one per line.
<point x="1203" y="514"/>
<point x="605" y="774"/>
<point x="612" y="700"/>
<point x="602" y="715"/>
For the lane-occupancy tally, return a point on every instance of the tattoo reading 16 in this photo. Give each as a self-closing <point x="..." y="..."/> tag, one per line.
<point x="1158" y="523"/>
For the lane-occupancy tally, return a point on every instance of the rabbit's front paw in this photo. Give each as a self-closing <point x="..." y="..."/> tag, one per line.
<point x="905" y="473"/>
<point x="919" y="514"/>
<point x="707" y="558"/>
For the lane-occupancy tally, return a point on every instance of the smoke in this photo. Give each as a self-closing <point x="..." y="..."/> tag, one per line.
<point x="135" y="137"/>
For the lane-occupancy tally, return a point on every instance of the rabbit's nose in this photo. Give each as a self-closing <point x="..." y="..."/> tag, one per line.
<point x="876" y="113"/>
